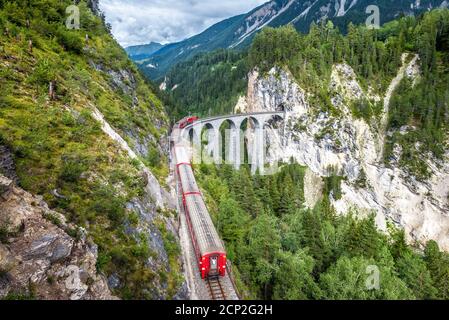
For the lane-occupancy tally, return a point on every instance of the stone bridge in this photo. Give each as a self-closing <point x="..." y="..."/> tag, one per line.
<point x="234" y="138"/>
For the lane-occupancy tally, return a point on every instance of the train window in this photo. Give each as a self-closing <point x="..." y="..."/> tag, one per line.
<point x="214" y="263"/>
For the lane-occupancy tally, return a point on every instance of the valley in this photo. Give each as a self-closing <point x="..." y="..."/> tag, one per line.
<point x="340" y="101"/>
<point x="239" y="31"/>
<point x="99" y="201"/>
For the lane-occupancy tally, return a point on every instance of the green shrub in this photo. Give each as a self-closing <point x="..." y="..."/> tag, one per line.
<point x="53" y="219"/>
<point x="103" y="260"/>
<point x="68" y="119"/>
<point x="106" y="203"/>
<point x="154" y="157"/>
<point x="72" y="169"/>
<point x="75" y="233"/>
<point x="70" y="40"/>
<point x="362" y="109"/>
<point x="4" y="234"/>
<point x="333" y="186"/>
<point x="43" y="73"/>
<point x="16" y="296"/>
<point x="133" y="219"/>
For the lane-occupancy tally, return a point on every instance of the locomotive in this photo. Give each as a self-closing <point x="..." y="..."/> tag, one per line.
<point x="207" y="244"/>
<point x="187" y="121"/>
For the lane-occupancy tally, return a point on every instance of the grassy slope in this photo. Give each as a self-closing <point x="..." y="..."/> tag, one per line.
<point x="56" y="142"/>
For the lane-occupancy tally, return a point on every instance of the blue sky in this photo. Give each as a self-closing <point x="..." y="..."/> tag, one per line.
<point x="143" y="21"/>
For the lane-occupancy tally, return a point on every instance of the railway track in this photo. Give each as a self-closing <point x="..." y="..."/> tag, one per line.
<point x="215" y="289"/>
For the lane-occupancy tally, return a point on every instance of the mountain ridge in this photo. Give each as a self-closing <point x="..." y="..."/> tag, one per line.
<point x="140" y="52"/>
<point x="237" y="32"/>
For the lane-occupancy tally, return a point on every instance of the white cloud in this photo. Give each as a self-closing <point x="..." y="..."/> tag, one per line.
<point x="143" y="21"/>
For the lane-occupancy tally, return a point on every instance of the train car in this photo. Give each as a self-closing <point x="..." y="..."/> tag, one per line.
<point x="187" y="121"/>
<point x="207" y="244"/>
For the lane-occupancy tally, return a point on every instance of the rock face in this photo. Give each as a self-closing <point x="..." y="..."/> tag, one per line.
<point x="7" y="166"/>
<point x="313" y="188"/>
<point x="148" y="208"/>
<point x="159" y="195"/>
<point x="354" y="148"/>
<point x="38" y="257"/>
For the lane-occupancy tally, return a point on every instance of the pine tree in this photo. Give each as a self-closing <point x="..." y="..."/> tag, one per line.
<point x="438" y="264"/>
<point x="264" y="242"/>
<point x="293" y="278"/>
<point x="413" y="271"/>
<point x="232" y="223"/>
<point x="287" y="200"/>
<point x="274" y="194"/>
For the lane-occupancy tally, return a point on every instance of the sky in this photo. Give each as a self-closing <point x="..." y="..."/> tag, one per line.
<point x="143" y="21"/>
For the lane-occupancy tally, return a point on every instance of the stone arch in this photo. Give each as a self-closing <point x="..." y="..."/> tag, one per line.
<point x="229" y="148"/>
<point x="206" y="130"/>
<point x="191" y="135"/>
<point x="249" y="126"/>
<point x="256" y="121"/>
<point x="210" y="142"/>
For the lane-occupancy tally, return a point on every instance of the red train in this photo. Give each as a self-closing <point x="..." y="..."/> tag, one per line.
<point x="208" y="247"/>
<point x="187" y="121"/>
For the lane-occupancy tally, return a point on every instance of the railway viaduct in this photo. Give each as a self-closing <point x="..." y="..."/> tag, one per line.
<point x="234" y="138"/>
<point x="224" y="287"/>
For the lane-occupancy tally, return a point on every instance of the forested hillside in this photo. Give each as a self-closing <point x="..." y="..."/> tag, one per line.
<point x="208" y="84"/>
<point x="52" y="82"/>
<point x="282" y="250"/>
<point x="143" y="51"/>
<point x="204" y="86"/>
<point x="375" y="56"/>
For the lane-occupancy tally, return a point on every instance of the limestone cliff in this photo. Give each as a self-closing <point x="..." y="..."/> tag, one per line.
<point x="354" y="148"/>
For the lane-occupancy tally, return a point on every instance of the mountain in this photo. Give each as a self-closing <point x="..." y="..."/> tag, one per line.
<point x="83" y="146"/>
<point x="207" y="84"/>
<point x="141" y="52"/>
<point x="238" y="31"/>
<point x="213" y="38"/>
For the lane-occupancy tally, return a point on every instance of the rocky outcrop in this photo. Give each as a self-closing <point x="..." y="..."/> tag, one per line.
<point x="124" y="80"/>
<point x="313" y="188"/>
<point x="41" y="255"/>
<point x="7" y="167"/>
<point x="354" y="148"/>
<point x="159" y="195"/>
<point x="148" y="209"/>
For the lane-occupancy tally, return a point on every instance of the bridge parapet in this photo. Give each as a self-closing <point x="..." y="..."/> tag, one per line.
<point x="242" y="116"/>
